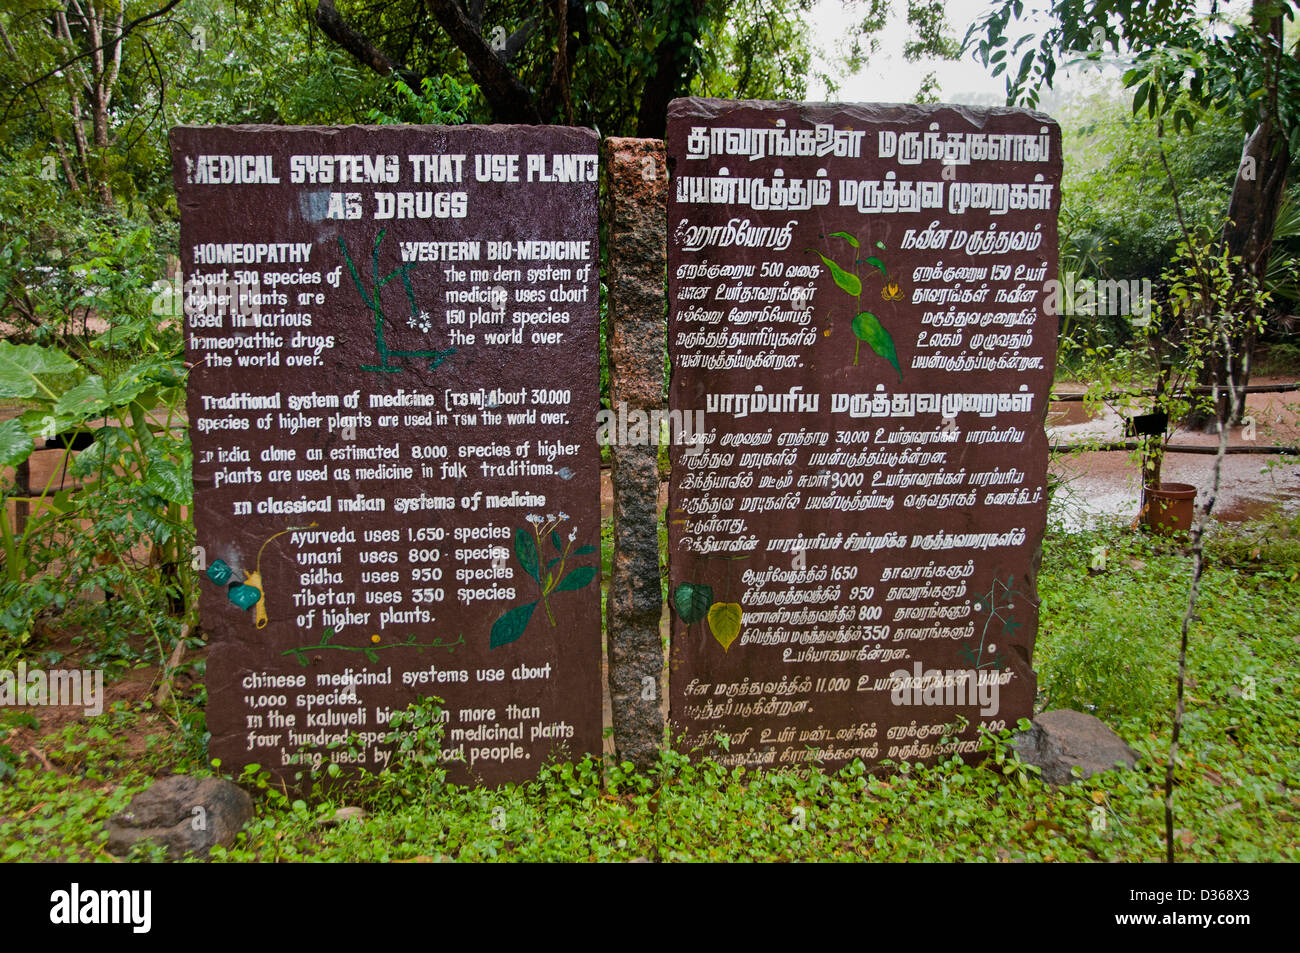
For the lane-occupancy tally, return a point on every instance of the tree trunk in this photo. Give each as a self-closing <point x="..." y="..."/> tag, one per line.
<point x="1257" y="194"/>
<point x="672" y="62"/>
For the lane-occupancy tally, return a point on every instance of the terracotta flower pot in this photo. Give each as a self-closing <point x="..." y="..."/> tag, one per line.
<point x="1169" y="507"/>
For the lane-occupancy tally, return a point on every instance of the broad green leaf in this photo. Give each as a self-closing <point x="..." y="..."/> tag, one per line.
<point x="576" y="579"/>
<point x="847" y="237"/>
<point x="42" y="424"/>
<point x="15" y="443"/>
<point x="555" y="541"/>
<point x="510" y="626"/>
<point x="847" y="282"/>
<point x="876" y="263"/>
<point x="167" y="477"/>
<point x="724" y="622"/>
<point x="868" y="328"/>
<point x="111" y="444"/>
<point x="526" y="550"/>
<point x="22" y="364"/>
<point x="128" y="389"/>
<point x="692" y="601"/>
<point x="87" y="399"/>
<point x="584" y="550"/>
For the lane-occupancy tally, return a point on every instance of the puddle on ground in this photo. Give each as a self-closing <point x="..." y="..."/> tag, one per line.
<point x="1069" y="413"/>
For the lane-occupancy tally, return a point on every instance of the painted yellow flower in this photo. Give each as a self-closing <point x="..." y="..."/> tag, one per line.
<point x="374" y="639"/>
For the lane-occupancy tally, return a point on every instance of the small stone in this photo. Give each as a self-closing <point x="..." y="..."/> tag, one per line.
<point x="1061" y="740"/>
<point x="343" y="815"/>
<point x="183" y="814"/>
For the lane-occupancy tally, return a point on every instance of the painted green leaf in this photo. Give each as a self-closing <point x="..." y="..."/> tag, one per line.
<point x="244" y="596"/>
<point x="555" y="541"/>
<point x="371" y="655"/>
<point x="551" y="564"/>
<point x="526" y="550"/>
<point x="692" y="601"/>
<point x="875" y="262"/>
<point x="510" y="626"/>
<point x="576" y="579"/>
<point x="880" y="245"/>
<point x="724" y="622"/>
<point x="15" y="443"/>
<point x="21" y="365"/>
<point x="868" y="328"/>
<point x="847" y="237"/>
<point x="847" y="282"/>
<point x="584" y="550"/>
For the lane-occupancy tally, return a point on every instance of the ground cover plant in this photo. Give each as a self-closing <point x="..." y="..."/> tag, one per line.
<point x="1108" y="645"/>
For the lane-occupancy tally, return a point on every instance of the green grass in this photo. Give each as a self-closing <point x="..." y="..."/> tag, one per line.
<point x="1107" y="644"/>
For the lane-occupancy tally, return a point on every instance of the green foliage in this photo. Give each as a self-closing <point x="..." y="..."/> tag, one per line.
<point x="755" y="49"/>
<point x="1107" y="644"/>
<point x="1180" y="59"/>
<point x="117" y="394"/>
<point x="441" y="101"/>
<point x="1117" y="214"/>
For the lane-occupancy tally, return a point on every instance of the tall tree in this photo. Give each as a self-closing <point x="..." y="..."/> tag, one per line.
<point x="1181" y="60"/>
<point x="63" y="73"/>
<point x="613" y="64"/>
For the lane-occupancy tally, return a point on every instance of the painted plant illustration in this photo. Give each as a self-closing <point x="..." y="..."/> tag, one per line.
<point x="372" y="649"/>
<point x="371" y="299"/>
<point x="998" y="602"/>
<point x="250" y="594"/>
<point x="693" y="602"/>
<point x="530" y="550"/>
<point x="865" y="325"/>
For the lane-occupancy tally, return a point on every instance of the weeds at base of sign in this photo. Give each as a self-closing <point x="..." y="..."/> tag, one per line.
<point x="414" y="773"/>
<point x="1005" y="759"/>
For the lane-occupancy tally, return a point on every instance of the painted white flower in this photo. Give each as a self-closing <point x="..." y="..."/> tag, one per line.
<point x="563" y="517"/>
<point x="533" y="518"/>
<point x="574" y="534"/>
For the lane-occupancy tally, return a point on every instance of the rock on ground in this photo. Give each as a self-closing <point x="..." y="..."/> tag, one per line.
<point x="183" y="814"/>
<point x="1061" y="740"/>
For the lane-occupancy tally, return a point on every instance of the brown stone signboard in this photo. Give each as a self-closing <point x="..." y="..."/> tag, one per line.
<point x="393" y="341"/>
<point x="858" y="308"/>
